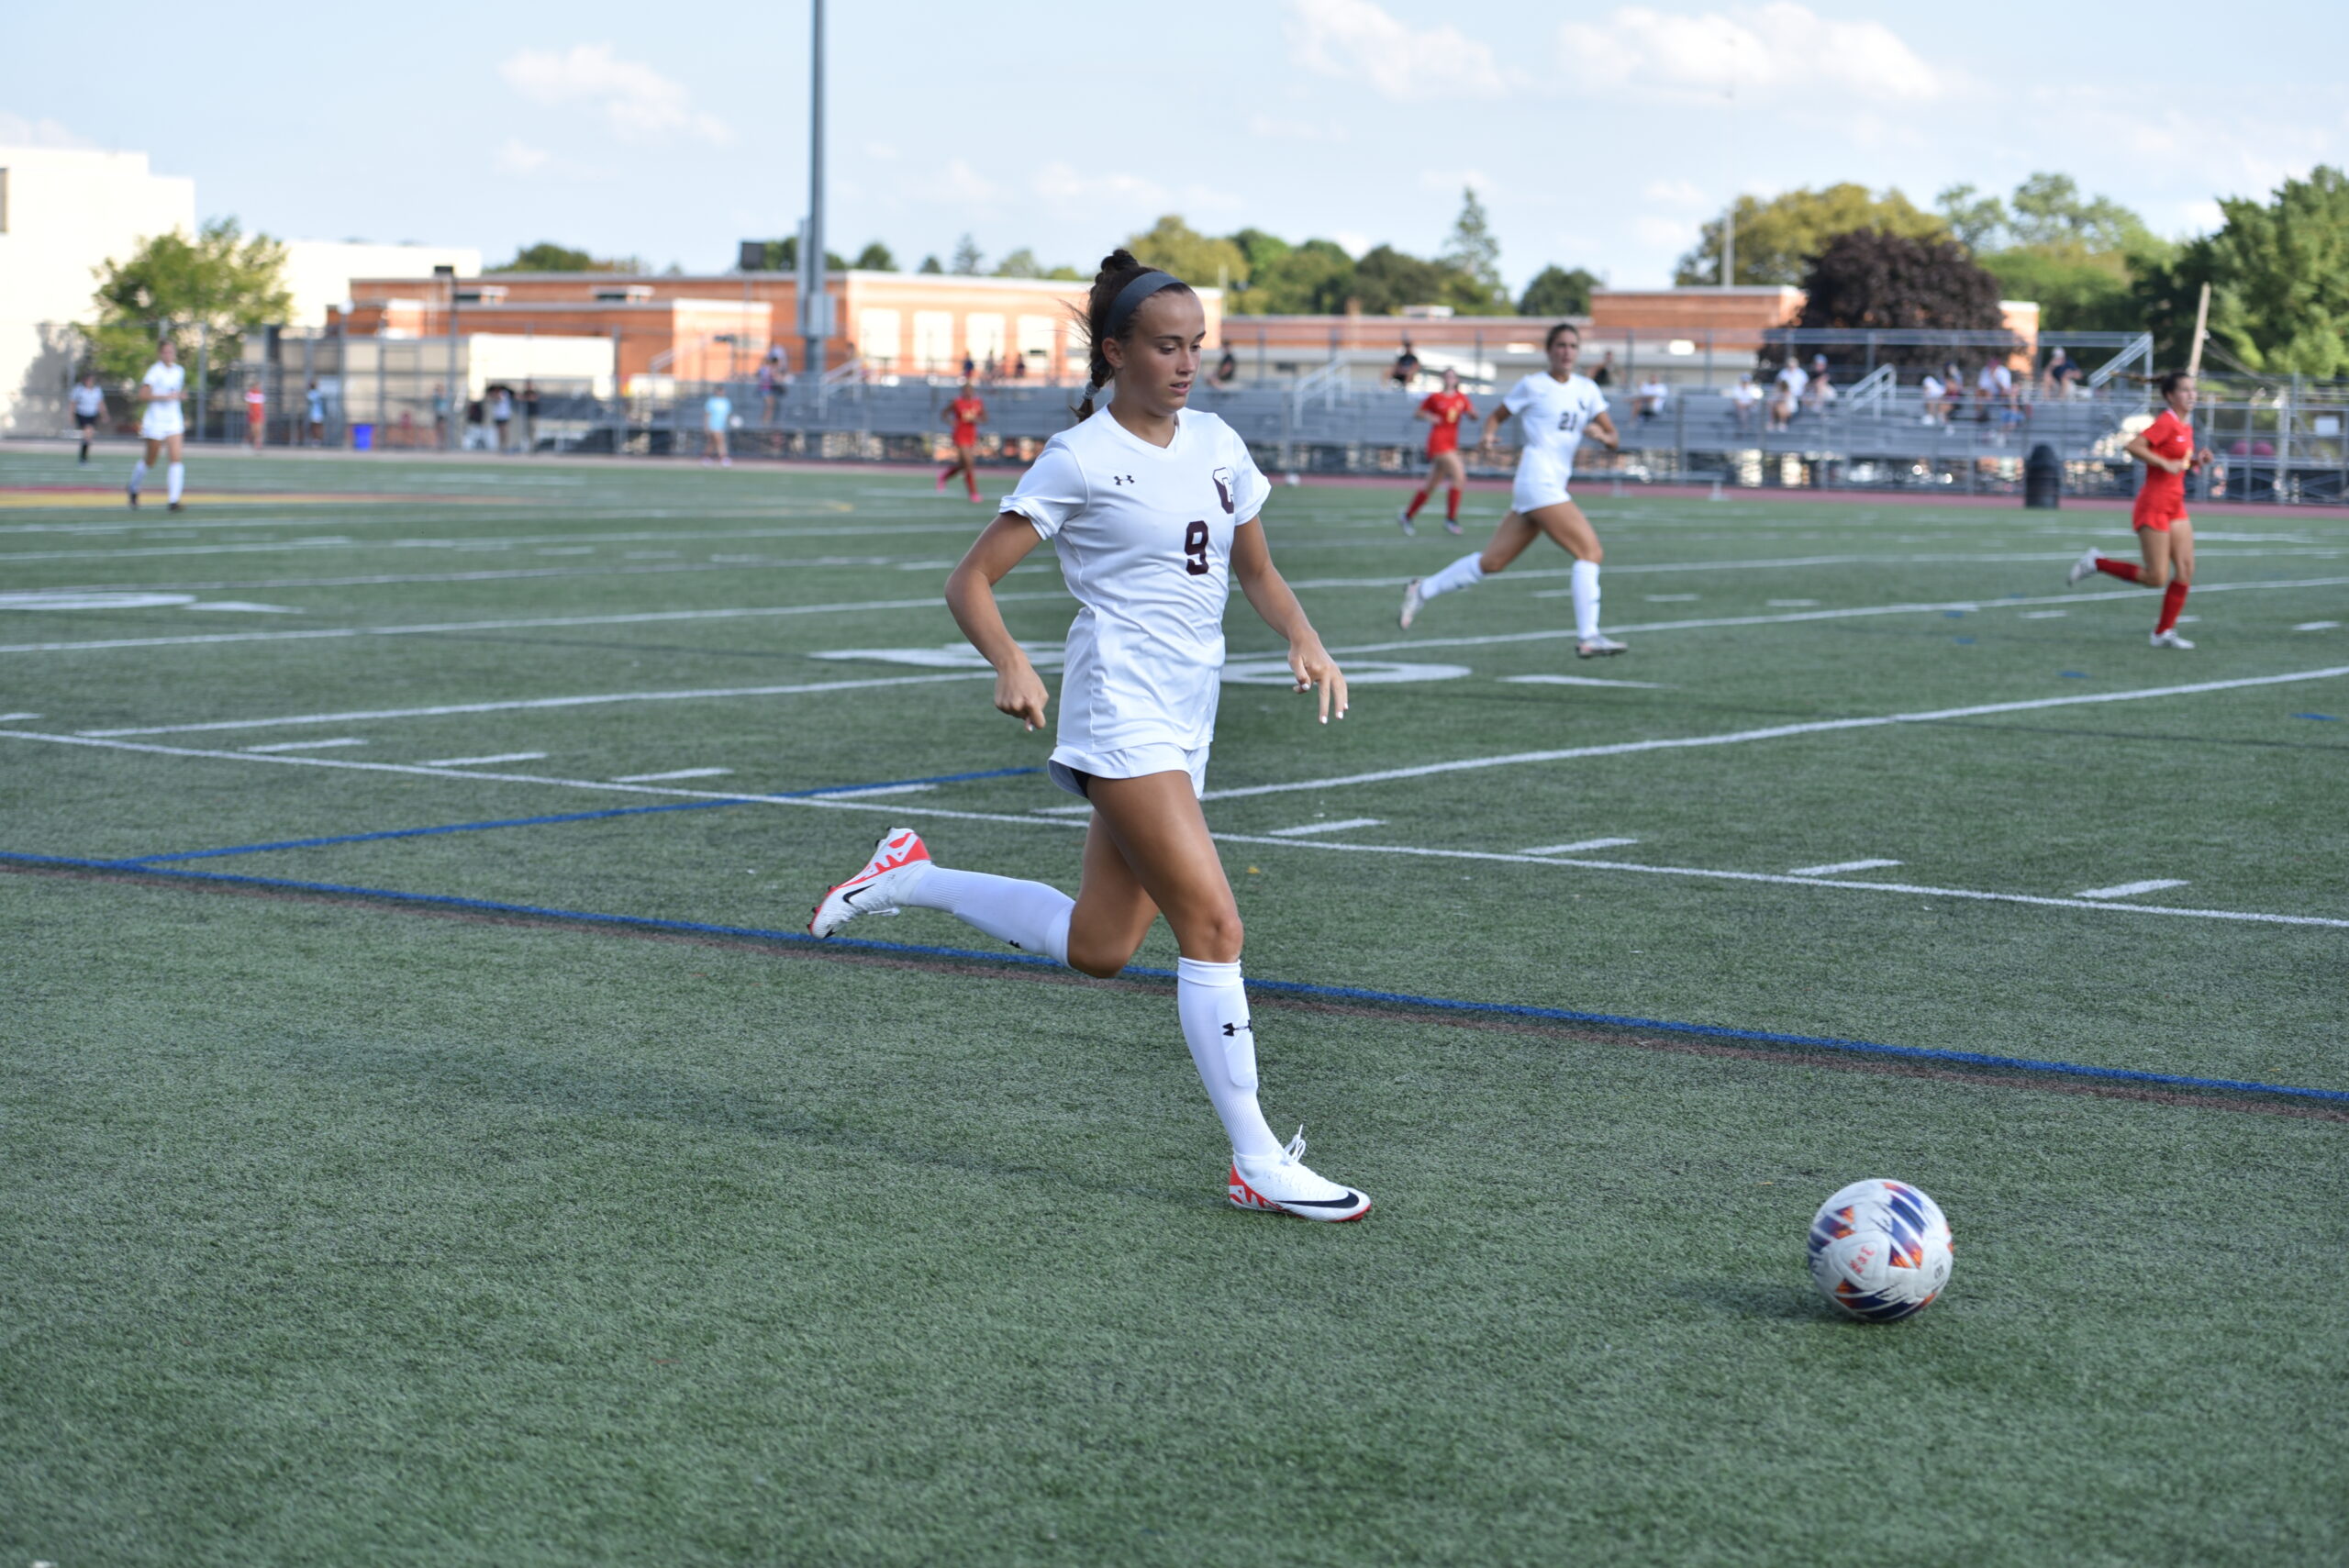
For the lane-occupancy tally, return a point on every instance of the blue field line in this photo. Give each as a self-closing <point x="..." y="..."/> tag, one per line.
<point x="1281" y="987"/>
<point x="137" y="861"/>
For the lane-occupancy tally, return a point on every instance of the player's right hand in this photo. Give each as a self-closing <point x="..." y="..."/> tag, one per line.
<point x="1021" y="693"/>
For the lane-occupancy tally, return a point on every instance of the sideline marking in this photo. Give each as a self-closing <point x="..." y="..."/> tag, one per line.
<point x="1285" y="987"/>
<point x="1308" y="829"/>
<point x="1774" y="732"/>
<point x="1840" y="867"/>
<point x="520" y="703"/>
<point x="1580" y="846"/>
<point x="481" y="761"/>
<point x="1577" y="681"/>
<point x="2316" y="626"/>
<point x="15" y="717"/>
<point x="2130" y="889"/>
<point x="672" y="773"/>
<point x="1040" y="819"/>
<point x="308" y="745"/>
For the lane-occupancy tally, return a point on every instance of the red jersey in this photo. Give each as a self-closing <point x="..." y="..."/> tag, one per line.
<point x="1447" y="410"/>
<point x="967" y="412"/>
<point x="2163" y="493"/>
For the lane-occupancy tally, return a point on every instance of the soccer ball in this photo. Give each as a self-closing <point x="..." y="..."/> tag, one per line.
<point x="1881" y="1250"/>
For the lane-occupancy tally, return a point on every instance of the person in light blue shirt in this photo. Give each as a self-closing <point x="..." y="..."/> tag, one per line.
<point x="718" y="412"/>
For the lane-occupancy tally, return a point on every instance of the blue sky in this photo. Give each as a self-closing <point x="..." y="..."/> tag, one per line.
<point x="1601" y="135"/>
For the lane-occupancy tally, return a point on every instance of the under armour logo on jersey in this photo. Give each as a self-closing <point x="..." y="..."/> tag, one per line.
<point x="1121" y="480"/>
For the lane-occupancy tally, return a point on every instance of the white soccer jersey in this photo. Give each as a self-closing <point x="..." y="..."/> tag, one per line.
<point x="163" y="416"/>
<point x="1144" y="537"/>
<point x="89" y="401"/>
<point x="1553" y="413"/>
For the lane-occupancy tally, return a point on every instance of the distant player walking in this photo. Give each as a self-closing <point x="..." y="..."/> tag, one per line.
<point x="1152" y="509"/>
<point x="1554" y="408"/>
<point x="89" y="408"/>
<point x="2164" y="533"/>
<point x="716" y="414"/>
<point x="1443" y="411"/>
<point x="162" y="390"/>
<point x="965" y="414"/>
<point x="256" y="412"/>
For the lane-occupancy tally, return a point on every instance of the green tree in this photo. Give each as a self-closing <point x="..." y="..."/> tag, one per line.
<point x="1778" y="239"/>
<point x="547" y="256"/>
<point x="1869" y="278"/>
<point x="208" y="290"/>
<point x="2279" y="277"/>
<point x="1020" y="264"/>
<point x="1978" y="222"/>
<point x="930" y="264"/>
<point x="1202" y="261"/>
<point x="1473" y="255"/>
<point x="2075" y="291"/>
<point x="876" y="258"/>
<point x="1066" y="274"/>
<point x="1316" y="278"/>
<point x="2074" y="254"/>
<point x="968" y="262"/>
<point x="2048" y="209"/>
<point x="1555" y="291"/>
<point x="1386" y="280"/>
<point x="783" y="256"/>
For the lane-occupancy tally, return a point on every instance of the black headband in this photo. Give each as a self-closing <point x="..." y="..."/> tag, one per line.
<point x="1129" y="298"/>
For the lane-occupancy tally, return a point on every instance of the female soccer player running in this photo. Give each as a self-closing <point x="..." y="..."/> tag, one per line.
<point x="1443" y="410"/>
<point x="2164" y="533"/>
<point x="1555" y="408"/>
<point x="1152" y="508"/>
<point x="162" y="389"/>
<point x="965" y="414"/>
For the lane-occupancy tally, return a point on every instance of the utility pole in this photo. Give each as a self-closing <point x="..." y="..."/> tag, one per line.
<point x="815" y="302"/>
<point x="456" y="404"/>
<point x="1729" y="218"/>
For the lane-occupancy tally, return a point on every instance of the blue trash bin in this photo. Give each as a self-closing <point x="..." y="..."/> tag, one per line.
<point x="362" y="437"/>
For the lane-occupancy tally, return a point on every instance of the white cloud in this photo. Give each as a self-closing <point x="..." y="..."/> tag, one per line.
<point x="1061" y="183"/>
<point x="1675" y="193"/>
<point x="1664" y="231"/>
<point x="637" y="102"/>
<point x="1357" y="40"/>
<point x="1353" y="240"/>
<point x="1768" y="52"/>
<point x="1266" y="126"/>
<point x="1452" y="182"/>
<point x="2205" y="217"/>
<point x="15" y="130"/>
<point x="957" y="183"/>
<point x="517" y="157"/>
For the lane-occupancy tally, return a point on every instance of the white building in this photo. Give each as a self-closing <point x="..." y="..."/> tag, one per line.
<point x="64" y="211"/>
<point x="319" y="271"/>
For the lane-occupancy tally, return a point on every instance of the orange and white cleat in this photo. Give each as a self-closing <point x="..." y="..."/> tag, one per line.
<point x="898" y="860"/>
<point x="1280" y="1183"/>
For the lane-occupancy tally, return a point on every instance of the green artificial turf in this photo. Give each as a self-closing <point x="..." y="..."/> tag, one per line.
<point x="343" y="1230"/>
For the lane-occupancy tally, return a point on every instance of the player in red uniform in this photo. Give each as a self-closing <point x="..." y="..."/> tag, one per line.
<point x="1443" y="410"/>
<point x="2164" y="533"/>
<point x="965" y="414"/>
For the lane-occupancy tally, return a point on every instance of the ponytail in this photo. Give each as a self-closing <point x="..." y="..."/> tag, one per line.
<point x="1098" y="323"/>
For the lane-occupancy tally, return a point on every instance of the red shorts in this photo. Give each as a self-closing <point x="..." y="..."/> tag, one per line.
<point x="965" y="443"/>
<point x="1441" y="440"/>
<point x="2157" y="513"/>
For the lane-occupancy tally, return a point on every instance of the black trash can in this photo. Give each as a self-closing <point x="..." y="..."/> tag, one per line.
<point x="2043" y="478"/>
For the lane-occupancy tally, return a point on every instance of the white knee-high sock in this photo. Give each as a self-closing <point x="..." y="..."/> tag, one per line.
<point x="1584" y="580"/>
<point x="1031" y="916"/>
<point x="1464" y="573"/>
<point x="137" y="475"/>
<point x="174" y="478"/>
<point x="1214" y="1006"/>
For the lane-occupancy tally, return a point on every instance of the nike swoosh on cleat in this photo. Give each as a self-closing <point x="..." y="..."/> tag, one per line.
<point x="1346" y="1202"/>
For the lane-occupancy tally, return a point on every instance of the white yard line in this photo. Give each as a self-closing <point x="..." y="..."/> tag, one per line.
<point x="16" y="717"/>
<point x="672" y="773"/>
<point x="482" y="761"/>
<point x="309" y="745"/>
<point x="1577" y="681"/>
<point x="2130" y="889"/>
<point x="1308" y="829"/>
<point x="519" y="704"/>
<point x="1335" y="845"/>
<point x="1774" y="732"/>
<point x="1840" y="867"/>
<point x="639" y="618"/>
<point x="1579" y="847"/>
<point x="518" y="541"/>
<point x="2316" y="626"/>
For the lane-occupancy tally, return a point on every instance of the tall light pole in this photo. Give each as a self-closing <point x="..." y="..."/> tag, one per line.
<point x="456" y="406"/>
<point x="814" y="304"/>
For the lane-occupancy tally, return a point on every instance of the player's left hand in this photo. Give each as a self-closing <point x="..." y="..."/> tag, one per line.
<point x="1315" y="670"/>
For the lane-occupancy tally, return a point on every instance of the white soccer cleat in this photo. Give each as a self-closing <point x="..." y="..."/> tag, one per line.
<point x="2085" y="567"/>
<point x="898" y="860"/>
<point x="1452" y="524"/>
<point x="1281" y="1184"/>
<point x="1599" y="647"/>
<point x="2170" y="639"/>
<point x="1411" y="603"/>
<point x="1403" y="520"/>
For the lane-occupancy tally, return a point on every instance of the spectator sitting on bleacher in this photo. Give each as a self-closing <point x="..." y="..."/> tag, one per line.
<point x="1819" y="392"/>
<point x="1936" y="406"/>
<point x="1649" y="401"/>
<point x="1743" y="399"/>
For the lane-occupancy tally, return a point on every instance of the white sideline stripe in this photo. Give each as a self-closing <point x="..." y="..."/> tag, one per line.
<point x="834" y="803"/>
<point x="1309" y="828"/>
<point x="1791" y="562"/>
<point x="383" y="579"/>
<point x="15" y="717"/>
<point x="672" y="773"/>
<point x="1580" y="846"/>
<point x="880" y="789"/>
<point x="1840" y="867"/>
<point x="2043" y="615"/>
<point x="521" y="702"/>
<point x="1775" y="732"/>
<point x="2130" y="889"/>
<point x="2316" y="626"/>
<point x="1577" y="681"/>
<point x="478" y="762"/>
<point x="518" y="541"/>
<point x="1969" y="606"/>
<point x="308" y="745"/>
<point x="640" y="618"/>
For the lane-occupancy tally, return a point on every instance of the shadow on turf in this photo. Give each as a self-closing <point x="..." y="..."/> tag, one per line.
<point x="1758" y="1303"/>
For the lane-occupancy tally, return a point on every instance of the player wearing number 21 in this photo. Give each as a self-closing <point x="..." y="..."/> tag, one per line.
<point x="1151" y="506"/>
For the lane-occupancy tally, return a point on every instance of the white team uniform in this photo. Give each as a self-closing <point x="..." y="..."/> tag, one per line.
<point x="162" y="420"/>
<point x="1144" y="537"/>
<point x="1551" y="416"/>
<point x="89" y="401"/>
